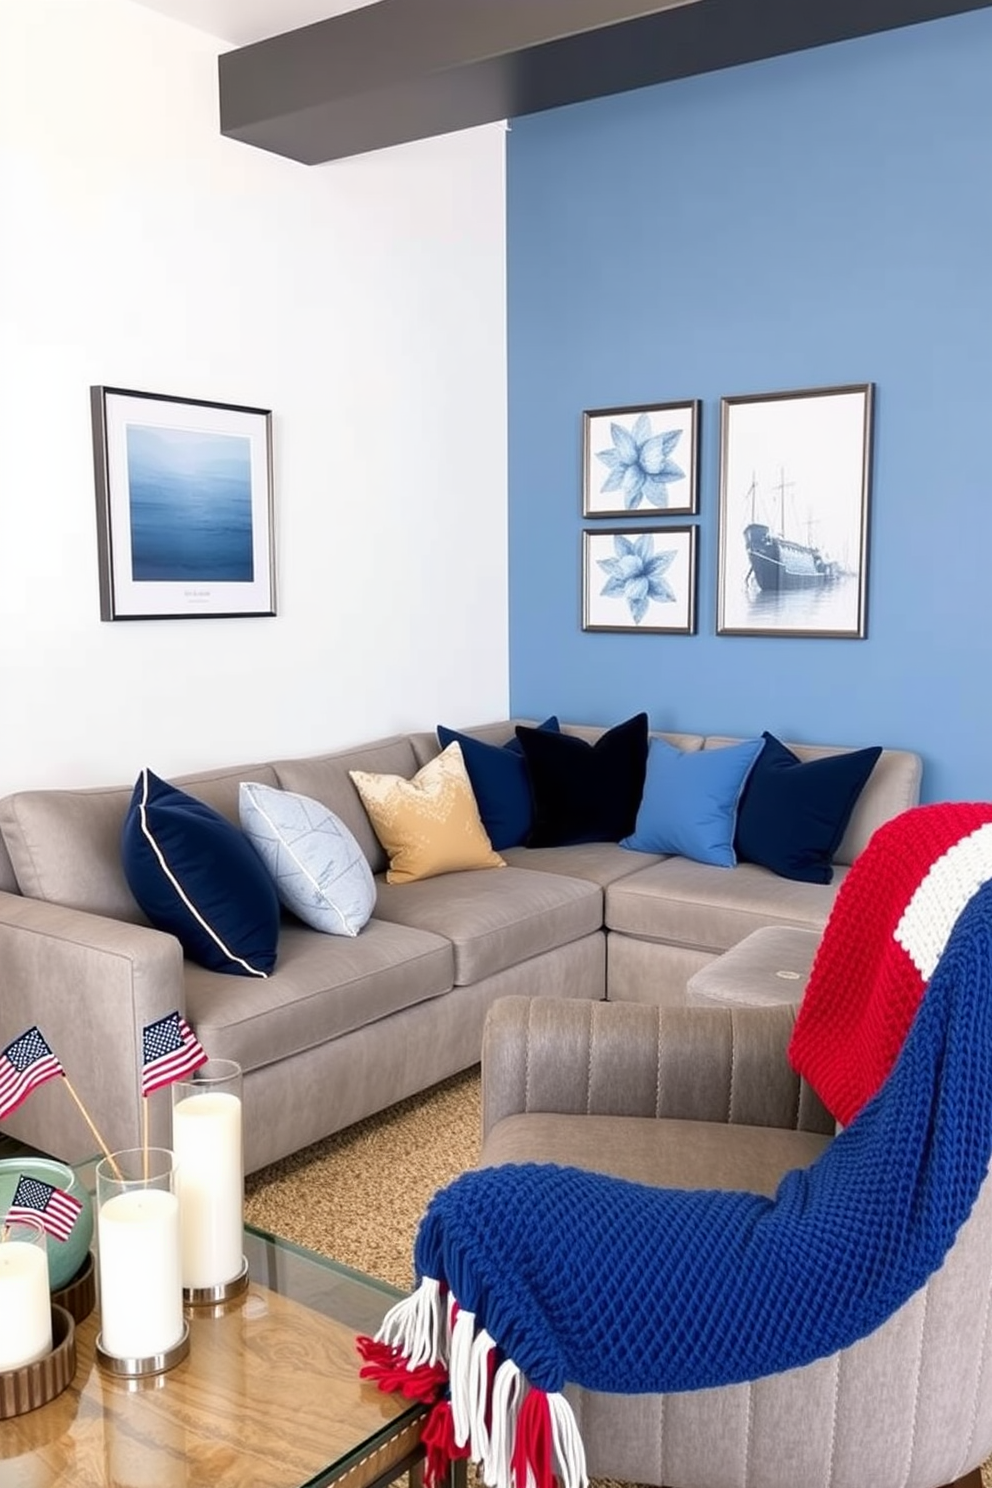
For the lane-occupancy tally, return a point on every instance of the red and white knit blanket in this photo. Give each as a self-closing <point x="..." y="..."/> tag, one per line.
<point x="890" y="923"/>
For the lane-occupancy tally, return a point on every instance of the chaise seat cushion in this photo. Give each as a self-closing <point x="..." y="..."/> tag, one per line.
<point x="693" y="904"/>
<point x="323" y="986"/>
<point x="495" y="920"/>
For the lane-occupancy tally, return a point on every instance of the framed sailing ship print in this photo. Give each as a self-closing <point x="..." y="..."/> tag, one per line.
<point x="795" y="475"/>
<point x="640" y="462"/>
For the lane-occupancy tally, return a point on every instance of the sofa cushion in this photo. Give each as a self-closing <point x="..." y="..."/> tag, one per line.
<point x="690" y="801"/>
<point x="599" y="862"/>
<point x="793" y="815"/>
<point x="585" y="792"/>
<point x="197" y="877"/>
<point x="428" y="825"/>
<point x="696" y="905"/>
<point x="326" y="778"/>
<point x="498" y="773"/>
<point x="65" y="845"/>
<point x="592" y="732"/>
<point x="8" y="878"/>
<point x="496" y="920"/>
<point x="319" y="871"/>
<point x="322" y="987"/>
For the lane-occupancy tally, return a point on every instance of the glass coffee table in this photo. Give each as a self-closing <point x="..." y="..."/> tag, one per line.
<point x="268" y="1397"/>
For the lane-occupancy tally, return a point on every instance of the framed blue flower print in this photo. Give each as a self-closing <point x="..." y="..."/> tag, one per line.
<point x="639" y="579"/>
<point x="640" y="462"/>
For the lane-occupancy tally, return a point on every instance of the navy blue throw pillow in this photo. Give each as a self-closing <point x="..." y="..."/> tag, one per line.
<point x="498" y="776"/>
<point x="198" y="877"/>
<point x="585" y="792"/>
<point x="793" y="813"/>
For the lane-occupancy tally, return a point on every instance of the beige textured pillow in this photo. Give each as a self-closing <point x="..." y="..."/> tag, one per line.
<point x="430" y="824"/>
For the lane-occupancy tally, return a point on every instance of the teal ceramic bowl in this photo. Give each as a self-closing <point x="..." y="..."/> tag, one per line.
<point x="64" y="1256"/>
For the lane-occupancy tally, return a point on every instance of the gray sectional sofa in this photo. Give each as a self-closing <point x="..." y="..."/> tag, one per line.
<point x="345" y="1027"/>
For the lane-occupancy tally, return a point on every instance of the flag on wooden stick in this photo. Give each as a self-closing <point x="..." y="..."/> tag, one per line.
<point x="56" y="1209"/>
<point x="170" y="1051"/>
<point x="24" y="1065"/>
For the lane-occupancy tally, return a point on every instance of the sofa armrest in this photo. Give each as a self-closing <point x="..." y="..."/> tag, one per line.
<point x="90" y="984"/>
<point x="631" y="1059"/>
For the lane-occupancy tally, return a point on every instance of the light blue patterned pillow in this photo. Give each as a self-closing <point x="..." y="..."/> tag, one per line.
<point x="318" y="868"/>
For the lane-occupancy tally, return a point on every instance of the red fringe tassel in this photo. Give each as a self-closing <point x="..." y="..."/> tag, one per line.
<point x="440" y="1447"/>
<point x="533" y="1447"/>
<point x="387" y="1367"/>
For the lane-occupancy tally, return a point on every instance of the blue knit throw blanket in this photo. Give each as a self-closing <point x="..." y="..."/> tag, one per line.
<point x="615" y="1286"/>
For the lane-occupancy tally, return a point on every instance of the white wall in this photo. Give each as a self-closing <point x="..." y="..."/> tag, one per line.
<point x="362" y="301"/>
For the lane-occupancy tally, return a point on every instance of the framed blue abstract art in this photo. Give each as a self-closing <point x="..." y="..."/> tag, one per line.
<point x="184" y="507"/>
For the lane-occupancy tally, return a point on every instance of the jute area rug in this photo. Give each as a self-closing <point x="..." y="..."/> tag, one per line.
<point x="358" y="1196"/>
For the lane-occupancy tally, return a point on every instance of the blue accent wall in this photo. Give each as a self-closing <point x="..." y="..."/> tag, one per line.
<point x="811" y="220"/>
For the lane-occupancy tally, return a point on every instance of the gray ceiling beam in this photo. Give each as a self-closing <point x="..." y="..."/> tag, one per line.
<point x="402" y="70"/>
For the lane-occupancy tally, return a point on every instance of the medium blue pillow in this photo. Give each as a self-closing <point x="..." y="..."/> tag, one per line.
<point x="794" y="813"/>
<point x="500" y="783"/>
<point x="690" y="801"/>
<point x="196" y="876"/>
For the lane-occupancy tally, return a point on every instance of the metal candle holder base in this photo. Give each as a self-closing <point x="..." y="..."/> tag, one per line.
<point x="225" y="1291"/>
<point x="138" y="1368"/>
<point x="32" y="1385"/>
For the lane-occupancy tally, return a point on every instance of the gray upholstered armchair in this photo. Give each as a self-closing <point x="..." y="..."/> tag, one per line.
<point x="705" y="1098"/>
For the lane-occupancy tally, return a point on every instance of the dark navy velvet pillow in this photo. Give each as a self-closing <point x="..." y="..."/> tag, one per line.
<point x="585" y="792"/>
<point x="498" y="776"/>
<point x="198" y="877"/>
<point x="794" y="813"/>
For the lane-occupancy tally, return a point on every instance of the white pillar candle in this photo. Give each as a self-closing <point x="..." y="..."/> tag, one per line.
<point x="141" y="1290"/>
<point x="25" y="1304"/>
<point x="206" y="1140"/>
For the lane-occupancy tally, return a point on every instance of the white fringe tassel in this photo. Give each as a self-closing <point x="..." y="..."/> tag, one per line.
<point x="478" y="1394"/>
<point x="508" y="1389"/>
<point x="459" y="1375"/>
<point x="568" y="1448"/>
<point x="421" y="1328"/>
<point x="414" y="1326"/>
<point x="449" y="1323"/>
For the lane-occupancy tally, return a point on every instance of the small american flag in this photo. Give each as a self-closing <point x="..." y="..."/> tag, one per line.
<point x="170" y="1050"/>
<point x="57" y="1210"/>
<point x="24" y="1065"/>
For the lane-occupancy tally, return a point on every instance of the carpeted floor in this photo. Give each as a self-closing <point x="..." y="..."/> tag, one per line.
<point x="367" y="1187"/>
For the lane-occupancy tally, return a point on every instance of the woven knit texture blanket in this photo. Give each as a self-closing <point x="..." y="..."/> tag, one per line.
<point x="534" y="1276"/>
<point x="620" y="1287"/>
<point x="890" y="922"/>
